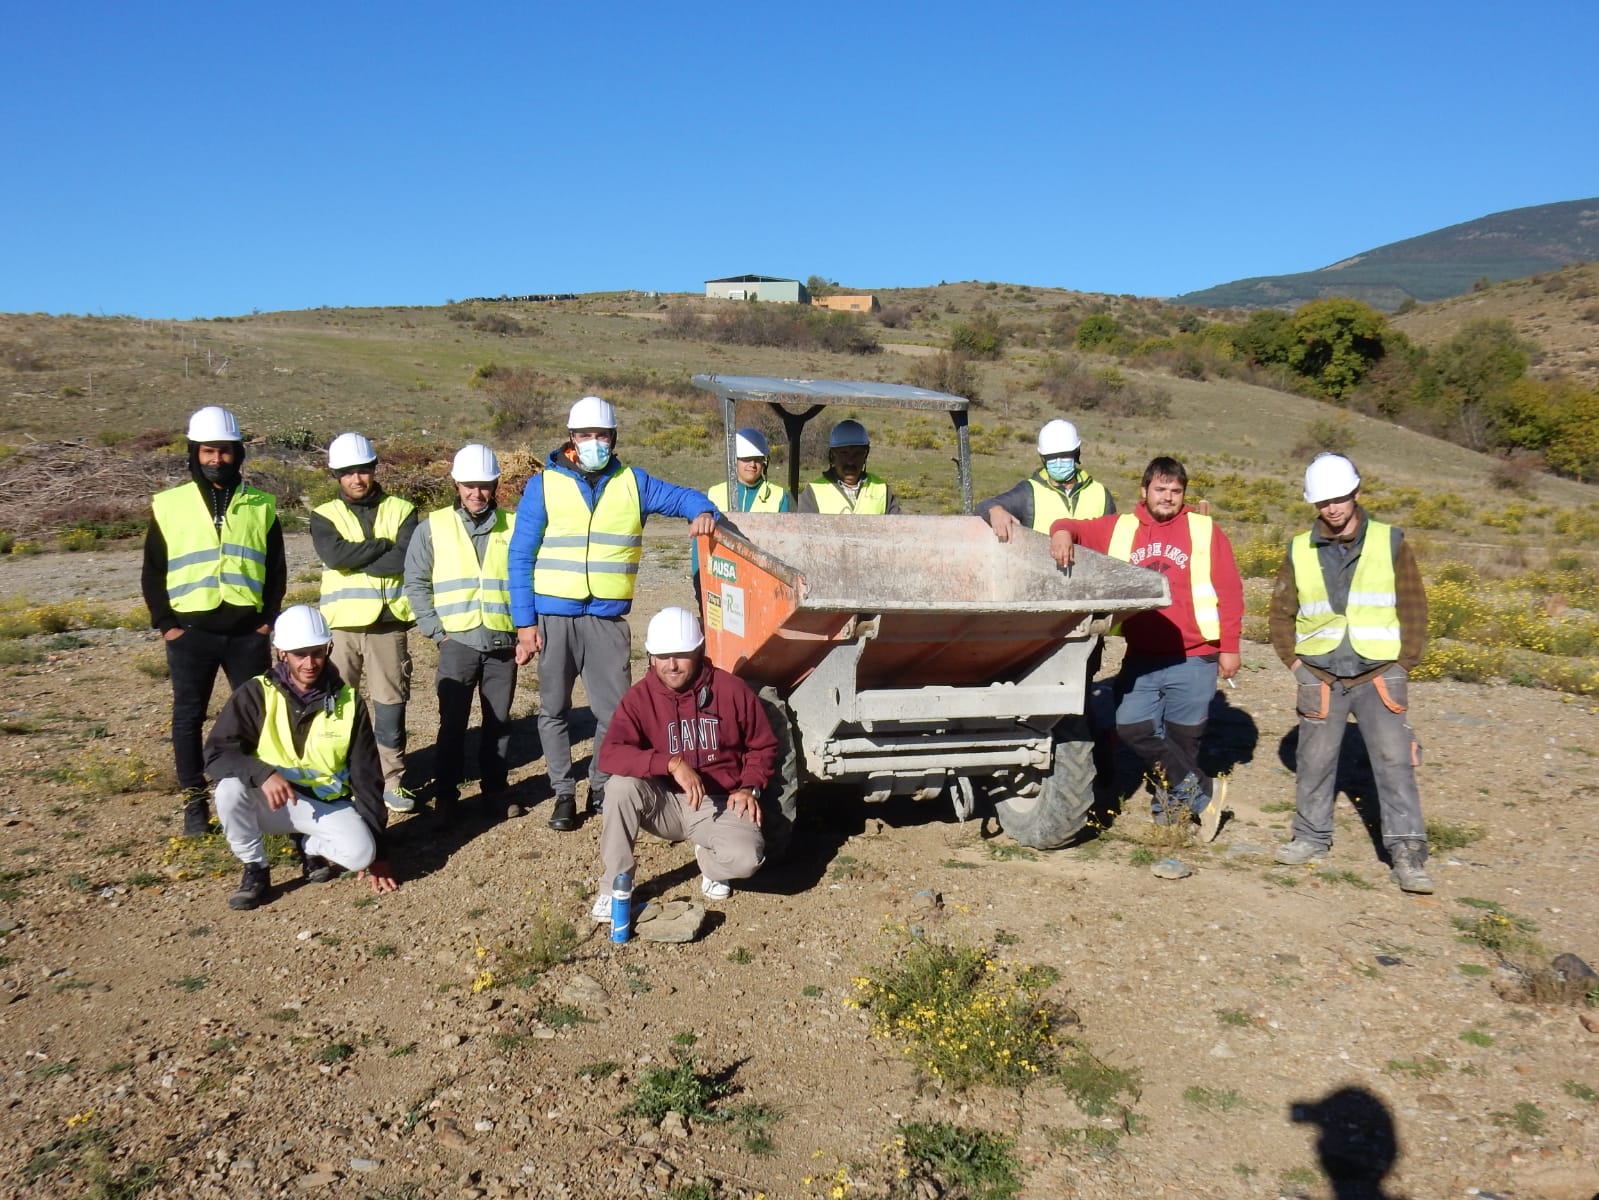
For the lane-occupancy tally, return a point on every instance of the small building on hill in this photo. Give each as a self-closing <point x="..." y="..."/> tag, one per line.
<point x="860" y="304"/>
<point x="757" y="287"/>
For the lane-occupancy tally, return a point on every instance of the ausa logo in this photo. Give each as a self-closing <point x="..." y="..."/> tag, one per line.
<point x="724" y="568"/>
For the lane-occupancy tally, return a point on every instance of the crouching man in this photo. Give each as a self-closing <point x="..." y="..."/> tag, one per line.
<point x="688" y="752"/>
<point x="292" y="752"/>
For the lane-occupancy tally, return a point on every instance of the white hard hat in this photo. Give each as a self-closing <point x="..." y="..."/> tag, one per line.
<point x="673" y="631"/>
<point x="300" y="628"/>
<point x="350" y="450"/>
<point x="848" y="433"/>
<point x="750" y="443"/>
<point x="475" y="463"/>
<point x="1330" y="477"/>
<point x="1059" y="437"/>
<point x="213" y="424"/>
<point x="591" y="413"/>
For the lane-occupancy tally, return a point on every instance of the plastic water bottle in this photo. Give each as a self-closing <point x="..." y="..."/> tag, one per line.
<point x="622" y="907"/>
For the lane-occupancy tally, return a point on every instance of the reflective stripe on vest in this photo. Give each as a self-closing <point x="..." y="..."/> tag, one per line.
<point x="322" y="769"/>
<point x="352" y="599"/>
<point x="1371" y="617"/>
<point x="1207" y="607"/>
<point x="1049" y="503"/>
<point x="206" y="566"/>
<point x="767" y="497"/>
<point x="870" y="501"/>
<point x="466" y="593"/>
<point x="587" y="553"/>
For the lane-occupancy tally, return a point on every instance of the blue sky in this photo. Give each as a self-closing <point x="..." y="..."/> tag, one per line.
<point x="181" y="160"/>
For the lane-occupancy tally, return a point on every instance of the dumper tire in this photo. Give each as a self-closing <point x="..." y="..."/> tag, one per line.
<point x="1059" y="811"/>
<point x="780" y="799"/>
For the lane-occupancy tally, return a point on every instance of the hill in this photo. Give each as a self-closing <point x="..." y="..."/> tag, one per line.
<point x="1432" y="266"/>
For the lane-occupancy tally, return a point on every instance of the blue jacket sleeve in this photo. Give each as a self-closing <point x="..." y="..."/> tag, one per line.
<point x="526" y="538"/>
<point x="658" y="496"/>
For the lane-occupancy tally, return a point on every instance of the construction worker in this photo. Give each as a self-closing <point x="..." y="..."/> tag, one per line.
<point x="292" y="752"/>
<point x="756" y="493"/>
<point x="361" y="538"/>
<point x="455" y="580"/>
<point x="1349" y="618"/>
<point x="1174" y="654"/>
<point x="574" y="559"/>
<point x="213" y="579"/>
<point x="688" y="754"/>
<point x="846" y="486"/>
<point x="1059" y="488"/>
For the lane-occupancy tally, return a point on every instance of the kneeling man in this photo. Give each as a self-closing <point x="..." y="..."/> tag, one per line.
<point x="293" y="752"/>
<point x="688" y="752"/>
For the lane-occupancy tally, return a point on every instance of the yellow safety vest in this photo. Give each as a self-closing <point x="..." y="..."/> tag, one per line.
<point x="466" y="593"/>
<point x="352" y="599"/>
<point x="871" y="500"/>
<point x="1049" y="502"/>
<point x="587" y="553"/>
<point x="323" y="767"/>
<point x="1207" y="608"/>
<point x="1371" y="617"/>
<point x="768" y="497"/>
<point x="207" y="567"/>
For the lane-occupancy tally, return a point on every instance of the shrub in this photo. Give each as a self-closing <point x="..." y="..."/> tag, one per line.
<point x="961" y="1016"/>
<point x="948" y="372"/>
<point x="979" y="338"/>
<point x="1097" y="331"/>
<point x="1327" y="433"/>
<point x="960" y="1162"/>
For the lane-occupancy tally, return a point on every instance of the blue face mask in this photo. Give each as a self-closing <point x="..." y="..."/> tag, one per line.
<point x="1061" y="469"/>
<point x="593" y="454"/>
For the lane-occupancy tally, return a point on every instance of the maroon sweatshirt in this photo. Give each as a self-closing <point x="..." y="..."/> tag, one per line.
<point x="716" y="724"/>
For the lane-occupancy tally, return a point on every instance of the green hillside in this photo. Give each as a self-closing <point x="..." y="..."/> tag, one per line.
<point x="1433" y="266"/>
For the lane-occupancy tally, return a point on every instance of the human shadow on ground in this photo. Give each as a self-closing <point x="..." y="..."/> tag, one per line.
<point x="1356" y="1141"/>
<point x="1231" y="739"/>
<point x="1354" y="778"/>
<point x="422" y="842"/>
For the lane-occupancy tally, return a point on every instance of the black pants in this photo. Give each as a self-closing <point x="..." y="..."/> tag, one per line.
<point x="192" y="662"/>
<point x="492" y="675"/>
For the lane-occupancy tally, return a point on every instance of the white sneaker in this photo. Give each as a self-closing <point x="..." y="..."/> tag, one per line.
<point x="714" y="889"/>
<point x="601" y="911"/>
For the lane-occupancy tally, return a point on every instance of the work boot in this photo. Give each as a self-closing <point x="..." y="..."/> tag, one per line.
<point x="398" y="800"/>
<point x="596" y="805"/>
<point x="252" y="888"/>
<point x="196" y="813"/>
<point x="1297" y="853"/>
<point x="564" y="818"/>
<point x="313" y="867"/>
<point x="1410" y="868"/>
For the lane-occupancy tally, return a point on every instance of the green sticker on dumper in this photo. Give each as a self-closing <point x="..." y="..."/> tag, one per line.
<point x="724" y="568"/>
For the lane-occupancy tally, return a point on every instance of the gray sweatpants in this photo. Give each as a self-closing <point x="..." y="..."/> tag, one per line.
<point x="1378" y="706"/>
<point x="597" y="648"/>
<point x="726" y="845"/>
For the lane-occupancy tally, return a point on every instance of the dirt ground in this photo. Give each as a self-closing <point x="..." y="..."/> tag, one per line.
<point x="329" y="1044"/>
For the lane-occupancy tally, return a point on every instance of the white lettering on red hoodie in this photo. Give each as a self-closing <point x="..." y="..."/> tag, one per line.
<point x="1165" y="546"/>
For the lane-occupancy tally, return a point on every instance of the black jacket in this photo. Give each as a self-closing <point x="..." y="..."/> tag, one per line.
<point x="230" y="748"/>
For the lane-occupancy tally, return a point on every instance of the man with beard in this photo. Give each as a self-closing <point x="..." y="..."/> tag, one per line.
<point x="687" y="752"/>
<point x="213" y="579"/>
<point x="1174" y="654"/>
<point x="846" y="486"/>
<point x="456" y="582"/>
<point x="362" y="536"/>
<point x="1349" y="619"/>
<point x="292" y="752"/>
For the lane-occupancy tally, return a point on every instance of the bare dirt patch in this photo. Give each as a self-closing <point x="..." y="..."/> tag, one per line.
<point x="330" y="1043"/>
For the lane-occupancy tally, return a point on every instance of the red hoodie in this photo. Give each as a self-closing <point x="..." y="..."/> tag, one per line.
<point x="1165" y="547"/>
<point x="716" y="724"/>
